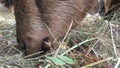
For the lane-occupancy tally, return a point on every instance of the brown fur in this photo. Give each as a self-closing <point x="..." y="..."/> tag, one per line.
<point x="32" y="17"/>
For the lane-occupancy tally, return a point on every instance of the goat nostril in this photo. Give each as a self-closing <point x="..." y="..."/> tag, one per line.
<point x="23" y="46"/>
<point x="46" y="45"/>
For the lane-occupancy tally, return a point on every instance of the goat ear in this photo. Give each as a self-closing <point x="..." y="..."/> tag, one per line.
<point x="107" y="4"/>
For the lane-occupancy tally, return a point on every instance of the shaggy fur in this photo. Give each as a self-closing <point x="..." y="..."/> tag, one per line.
<point x="37" y="19"/>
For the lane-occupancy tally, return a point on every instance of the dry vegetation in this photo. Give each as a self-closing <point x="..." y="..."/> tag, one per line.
<point x="95" y="43"/>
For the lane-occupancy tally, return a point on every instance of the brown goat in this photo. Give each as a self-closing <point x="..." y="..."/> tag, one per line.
<point x="40" y="21"/>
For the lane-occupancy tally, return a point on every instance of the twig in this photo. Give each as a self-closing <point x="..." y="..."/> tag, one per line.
<point x="118" y="63"/>
<point x="51" y="33"/>
<point x="78" y="45"/>
<point x="9" y="51"/>
<point x="64" y="38"/>
<point x="113" y="42"/>
<point x="16" y="49"/>
<point x="101" y="61"/>
<point x="32" y="54"/>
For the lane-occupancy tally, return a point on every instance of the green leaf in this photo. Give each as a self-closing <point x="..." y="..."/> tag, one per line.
<point x="66" y="59"/>
<point x="56" y="61"/>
